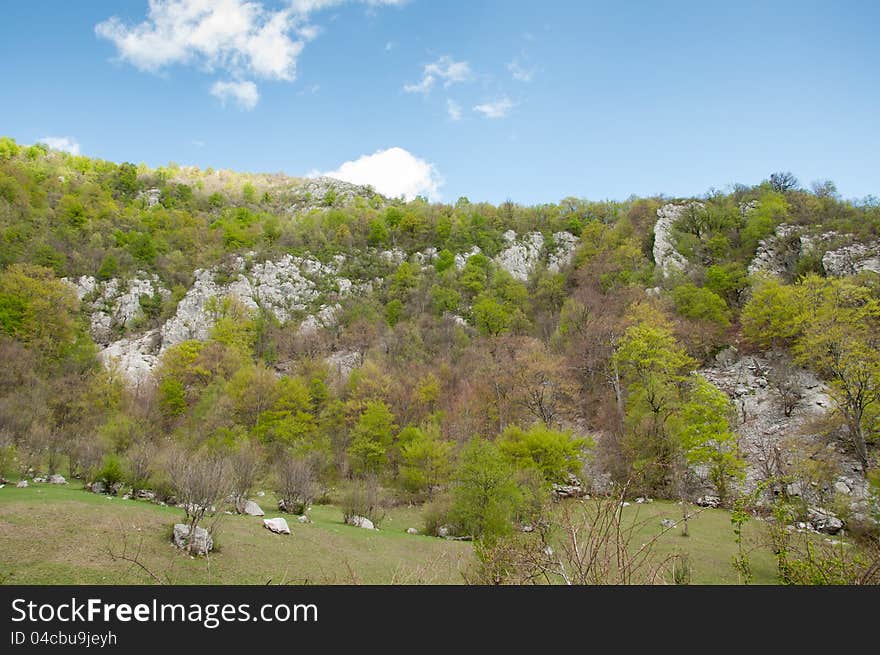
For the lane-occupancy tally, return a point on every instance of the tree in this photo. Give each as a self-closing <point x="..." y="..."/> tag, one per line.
<point x="38" y="310"/>
<point x="426" y="460"/>
<point x="553" y="453"/>
<point x="200" y="481"/>
<point x="701" y="304"/>
<point x="702" y="427"/>
<point x="373" y="436"/>
<point x="485" y="496"/>
<point x="296" y="484"/>
<point x="654" y="369"/>
<point x="783" y="182"/>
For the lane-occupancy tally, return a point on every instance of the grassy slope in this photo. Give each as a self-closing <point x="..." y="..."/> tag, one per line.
<point x="61" y="535"/>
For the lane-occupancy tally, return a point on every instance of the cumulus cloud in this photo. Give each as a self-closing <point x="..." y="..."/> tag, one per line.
<point x="446" y="69"/>
<point x="241" y="37"/>
<point x="244" y="94"/>
<point x="495" y="109"/>
<point x="453" y="109"/>
<point x="392" y="172"/>
<point x="65" y="143"/>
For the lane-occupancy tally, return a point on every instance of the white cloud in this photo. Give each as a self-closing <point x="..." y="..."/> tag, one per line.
<point x="453" y="109"/>
<point x="234" y="35"/>
<point x="243" y="38"/>
<point x="243" y="93"/>
<point x="392" y="172"/>
<point x="496" y="109"/>
<point x="521" y="72"/>
<point x="65" y="143"/>
<point x="446" y="69"/>
<point x="311" y="6"/>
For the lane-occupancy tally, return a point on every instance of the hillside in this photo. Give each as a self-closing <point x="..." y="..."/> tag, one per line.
<point x="477" y="362"/>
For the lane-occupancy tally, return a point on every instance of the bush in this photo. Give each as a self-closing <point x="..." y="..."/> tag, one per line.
<point x="436" y="514"/>
<point x="295" y="484"/>
<point x="111" y="471"/>
<point x="364" y="498"/>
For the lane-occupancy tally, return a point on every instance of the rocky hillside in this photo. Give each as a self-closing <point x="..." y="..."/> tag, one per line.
<point x="722" y="347"/>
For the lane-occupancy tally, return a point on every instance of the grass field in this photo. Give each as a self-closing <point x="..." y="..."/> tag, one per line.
<point x="51" y="534"/>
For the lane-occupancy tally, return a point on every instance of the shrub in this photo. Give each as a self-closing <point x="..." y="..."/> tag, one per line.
<point x="111" y="471"/>
<point x="364" y="498"/>
<point x="295" y="484"/>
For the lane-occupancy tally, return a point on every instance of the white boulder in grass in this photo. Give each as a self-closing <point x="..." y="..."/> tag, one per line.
<point x="360" y="522"/>
<point x="277" y="525"/>
<point x="252" y="509"/>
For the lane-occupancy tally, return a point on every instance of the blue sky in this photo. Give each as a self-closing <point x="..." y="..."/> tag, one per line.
<point x="490" y="99"/>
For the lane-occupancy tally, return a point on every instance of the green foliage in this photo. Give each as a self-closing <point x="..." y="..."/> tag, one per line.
<point x="111" y="471"/>
<point x="426" y="460"/>
<point x="485" y="496"/>
<point x="372" y="437"/>
<point x="490" y="316"/>
<point x="699" y="303"/>
<point x="553" y="453"/>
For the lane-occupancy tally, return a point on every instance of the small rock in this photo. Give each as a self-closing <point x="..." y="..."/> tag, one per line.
<point x="412" y="531"/>
<point x="21" y="484"/>
<point x="624" y="504"/>
<point x="57" y="479"/>
<point x="39" y="479"/>
<point x="304" y="519"/>
<point x="277" y="525"/>
<point x="842" y="487"/>
<point x="528" y="528"/>
<point x="145" y="494"/>
<point x="709" y="501"/>
<point x="252" y="509"/>
<point x="360" y="522"/>
<point x="640" y="500"/>
<point x="824" y="520"/>
<point x="443" y="531"/>
<point x="260" y="494"/>
<point x="667" y="523"/>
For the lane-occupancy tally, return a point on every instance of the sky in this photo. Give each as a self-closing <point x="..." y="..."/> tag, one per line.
<point x="488" y="99"/>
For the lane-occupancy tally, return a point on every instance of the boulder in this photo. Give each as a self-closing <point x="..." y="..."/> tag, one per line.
<point x="201" y="543"/>
<point x="276" y="525"/>
<point x="57" y="479"/>
<point x="252" y="509"/>
<point x="823" y="520"/>
<point x="21" y="484"/>
<point x="443" y="531"/>
<point x="709" y="501"/>
<point x="98" y="487"/>
<point x="412" y="531"/>
<point x="360" y="522"/>
<point x="145" y="494"/>
<point x="574" y="488"/>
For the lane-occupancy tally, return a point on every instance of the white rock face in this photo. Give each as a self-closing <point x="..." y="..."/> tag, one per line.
<point x="134" y="358"/>
<point x="344" y="362"/>
<point x="324" y="317"/>
<point x="761" y="424"/>
<point x="666" y="257"/>
<point x="520" y="258"/>
<point x="282" y="287"/>
<point x="566" y="243"/>
<point x="115" y="303"/>
<point x="853" y="259"/>
<point x="462" y="257"/>
<point x="278" y="525"/>
<point x="777" y="253"/>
